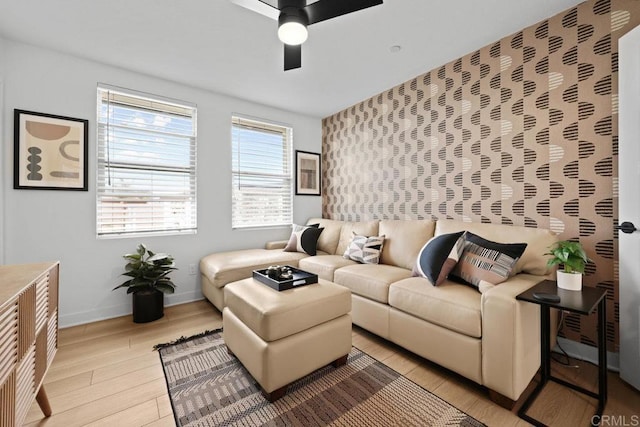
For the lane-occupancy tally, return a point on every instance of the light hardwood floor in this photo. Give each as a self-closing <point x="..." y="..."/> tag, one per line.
<point x="106" y="374"/>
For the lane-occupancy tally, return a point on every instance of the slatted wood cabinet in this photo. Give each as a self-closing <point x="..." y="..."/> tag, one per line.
<point x="28" y="337"/>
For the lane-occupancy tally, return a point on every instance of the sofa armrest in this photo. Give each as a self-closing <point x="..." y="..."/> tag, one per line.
<point x="279" y="244"/>
<point x="510" y="337"/>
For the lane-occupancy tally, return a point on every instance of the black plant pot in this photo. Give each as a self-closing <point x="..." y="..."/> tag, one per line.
<point x="148" y="306"/>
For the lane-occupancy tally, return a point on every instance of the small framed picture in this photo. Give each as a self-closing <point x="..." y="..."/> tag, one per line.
<point x="307" y="173"/>
<point x="50" y="152"/>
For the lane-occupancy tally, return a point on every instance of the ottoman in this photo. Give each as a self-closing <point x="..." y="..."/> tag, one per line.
<point x="280" y="337"/>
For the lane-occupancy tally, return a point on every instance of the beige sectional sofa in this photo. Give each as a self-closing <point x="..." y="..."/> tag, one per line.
<point x="490" y="338"/>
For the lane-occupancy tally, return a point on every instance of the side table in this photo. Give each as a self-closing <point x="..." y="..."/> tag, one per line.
<point x="583" y="302"/>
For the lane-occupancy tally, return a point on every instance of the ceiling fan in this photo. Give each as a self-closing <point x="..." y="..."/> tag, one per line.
<point x="294" y="16"/>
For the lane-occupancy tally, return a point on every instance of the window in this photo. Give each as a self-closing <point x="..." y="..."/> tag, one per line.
<point x="261" y="174"/>
<point x="146" y="164"/>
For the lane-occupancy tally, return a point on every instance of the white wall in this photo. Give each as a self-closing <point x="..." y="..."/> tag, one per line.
<point x="60" y="225"/>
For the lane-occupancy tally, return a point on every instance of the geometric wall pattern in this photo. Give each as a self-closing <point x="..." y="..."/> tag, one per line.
<point x="522" y="132"/>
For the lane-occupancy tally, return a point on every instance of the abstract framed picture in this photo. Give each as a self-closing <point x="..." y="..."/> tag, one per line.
<point x="50" y="152"/>
<point x="307" y="173"/>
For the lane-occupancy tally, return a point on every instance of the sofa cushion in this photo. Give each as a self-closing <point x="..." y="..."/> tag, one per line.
<point x="328" y="240"/>
<point x="403" y="240"/>
<point x="365" y="250"/>
<point x="324" y="265"/>
<point x="370" y="280"/>
<point x="538" y="241"/>
<point x="439" y="256"/>
<point x="226" y="267"/>
<point x="364" y="228"/>
<point x="304" y="239"/>
<point x="484" y="263"/>
<point x="450" y="305"/>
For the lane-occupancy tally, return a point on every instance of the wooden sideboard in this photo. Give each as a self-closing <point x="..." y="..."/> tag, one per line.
<point x="28" y="337"/>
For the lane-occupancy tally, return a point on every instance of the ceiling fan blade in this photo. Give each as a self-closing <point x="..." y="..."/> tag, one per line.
<point x="292" y="57"/>
<point x="327" y="9"/>
<point x="267" y="8"/>
<point x="272" y="3"/>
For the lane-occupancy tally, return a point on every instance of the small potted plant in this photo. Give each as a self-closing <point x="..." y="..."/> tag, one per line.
<point x="148" y="282"/>
<point x="573" y="258"/>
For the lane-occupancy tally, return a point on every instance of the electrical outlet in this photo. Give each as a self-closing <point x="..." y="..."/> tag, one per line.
<point x="193" y="269"/>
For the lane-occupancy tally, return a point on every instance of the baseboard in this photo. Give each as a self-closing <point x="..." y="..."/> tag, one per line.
<point x="104" y="313"/>
<point x="587" y="353"/>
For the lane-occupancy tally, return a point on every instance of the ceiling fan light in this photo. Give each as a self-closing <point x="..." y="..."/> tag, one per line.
<point x="292" y="33"/>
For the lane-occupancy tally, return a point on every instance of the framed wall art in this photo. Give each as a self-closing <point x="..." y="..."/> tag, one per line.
<point x="307" y="173"/>
<point x="50" y="152"/>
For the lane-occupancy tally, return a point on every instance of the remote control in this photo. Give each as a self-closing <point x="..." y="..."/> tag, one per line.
<point x="541" y="296"/>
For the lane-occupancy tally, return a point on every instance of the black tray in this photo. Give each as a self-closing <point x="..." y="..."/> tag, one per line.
<point x="300" y="278"/>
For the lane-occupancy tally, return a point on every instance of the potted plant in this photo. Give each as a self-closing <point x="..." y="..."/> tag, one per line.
<point x="573" y="258"/>
<point x="148" y="282"/>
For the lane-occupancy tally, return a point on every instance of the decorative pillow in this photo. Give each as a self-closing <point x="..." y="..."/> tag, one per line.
<point x="304" y="238"/>
<point x="439" y="256"/>
<point x="484" y="264"/>
<point x="365" y="250"/>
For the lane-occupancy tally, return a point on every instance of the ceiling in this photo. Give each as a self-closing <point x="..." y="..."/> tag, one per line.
<point x="222" y="47"/>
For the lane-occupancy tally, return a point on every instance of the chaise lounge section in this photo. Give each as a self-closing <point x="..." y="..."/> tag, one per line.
<point x="490" y="337"/>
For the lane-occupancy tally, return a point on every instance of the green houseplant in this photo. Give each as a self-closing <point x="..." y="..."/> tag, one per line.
<point x="148" y="282"/>
<point x="573" y="258"/>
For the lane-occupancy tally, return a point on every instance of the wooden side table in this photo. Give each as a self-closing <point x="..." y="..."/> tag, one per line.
<point x="582" y="302"/>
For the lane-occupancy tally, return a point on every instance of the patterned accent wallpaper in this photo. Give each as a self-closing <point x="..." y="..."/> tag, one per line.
<point x="523" y="132"/>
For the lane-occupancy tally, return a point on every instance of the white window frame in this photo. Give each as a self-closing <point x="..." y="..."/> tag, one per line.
<point x="140" y="198"/>
<point x="264" y="218"/>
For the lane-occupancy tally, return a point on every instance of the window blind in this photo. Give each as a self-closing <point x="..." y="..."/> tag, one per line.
<point x="146" y="181"/>
<point x="261" y="174"/>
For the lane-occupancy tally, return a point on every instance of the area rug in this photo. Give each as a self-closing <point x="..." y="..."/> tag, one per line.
<point x="209" y="387"/>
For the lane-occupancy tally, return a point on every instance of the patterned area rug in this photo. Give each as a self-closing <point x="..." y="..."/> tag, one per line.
<point x="208" y="387"/>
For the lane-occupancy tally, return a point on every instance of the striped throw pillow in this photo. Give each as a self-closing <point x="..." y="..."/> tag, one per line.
<point x="484" y="264"/>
